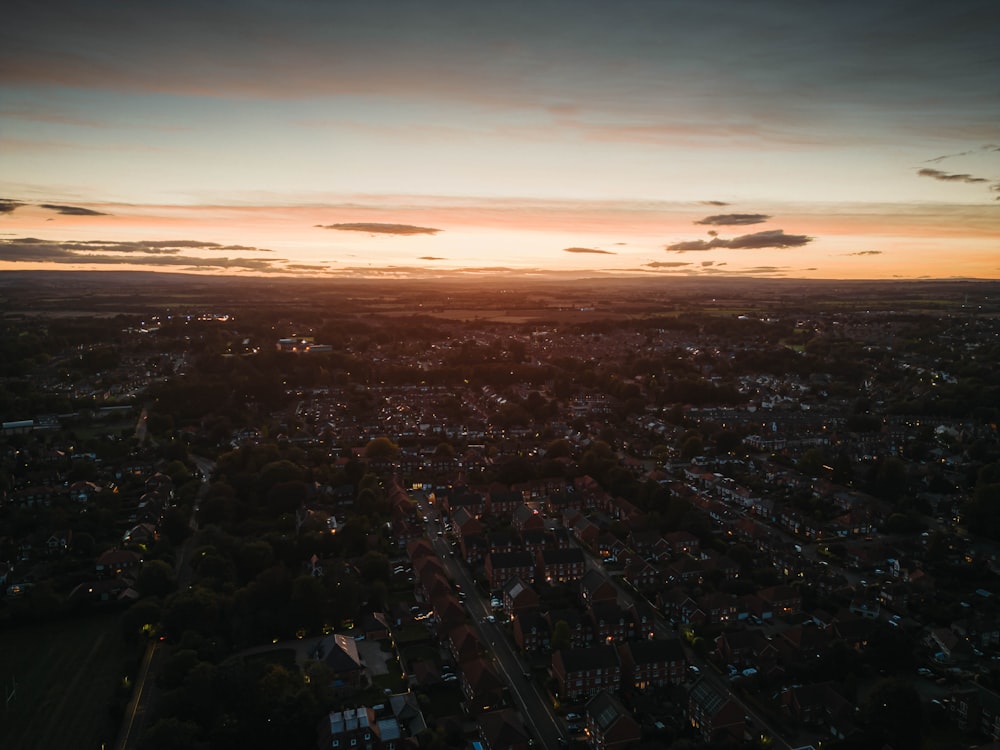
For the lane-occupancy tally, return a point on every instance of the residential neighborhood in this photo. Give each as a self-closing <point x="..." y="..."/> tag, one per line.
<point x="758" y="520"/>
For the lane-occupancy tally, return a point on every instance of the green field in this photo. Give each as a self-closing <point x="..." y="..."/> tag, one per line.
<point x="69" y="676"/>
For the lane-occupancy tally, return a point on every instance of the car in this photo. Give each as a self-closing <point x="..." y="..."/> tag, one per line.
<point x="749" y="672"/>
<point x="450" y="677"/>
<point x="573" y="717"/>
<point x="924" y="672"/>
<point x="694" y="670"/>
<point x="489" y="618"/>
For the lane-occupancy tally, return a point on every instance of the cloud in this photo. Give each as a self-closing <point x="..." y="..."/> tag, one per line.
<point x="714" y="203"/>
<point x="304" y="267"/>
<point x="937" y="174"/>
<point x="867" y="252"/>
<point x="775" y="238"/>
<point x="6" y="206"/>
<point x="734" y="219"/>
<point x="376" y="228"/>
<point x="99" y="252"/>
<point x="72" y="210"/>
<point x="668" y="264"/>
<point x="595" y="251"/>
<point x="149" y="247"/>
<point x="430" y="257"/>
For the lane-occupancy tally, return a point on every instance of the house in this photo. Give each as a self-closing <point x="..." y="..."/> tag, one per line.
<point x="585" y="672"/>
<point x="481" y="685"/>
<point x="782" y="600"/>
<point x="394" y="724"/>
<point x="465" y="524"/>
<point x="682" y="543"/>
<point x="464" y="643"/>
<point x="561" y="565"/>
<point x="525" y="518"/>
<point x="115" y="562"/>
<point x="976" y="709"/>
<point x="644" y="617"/>
<point x="503" y="729"/>
<point x="531" y="631"/>
<point x="610" y="622"/>
<point x="586" y="532"/>
<point x="745" y="648"/>
<point x="948" y="644"/>
<point x="459" y="498"/>
<point x="374" y="625"/>
<point x="473" y="548"/>
<point x="535" y="540"/>
<point x="652" y="663"/>
<point x="610" y="725"/>
<point x="686" y="570"/>
<point x="518" y="597"/>
<point x="580" y="628"/>
<point x="340" y="655"/>
<point x="641" y="575"/>
<point x="819" y="706"/>
<point x="503" y="502"/>
<point x="596" y="587"/>
<point x="350" y="728"/>
<point x="644" y="542"/>
<point x="714" y="713"/>
<point x="500" y="567"/>
<point x="719" y="607"/>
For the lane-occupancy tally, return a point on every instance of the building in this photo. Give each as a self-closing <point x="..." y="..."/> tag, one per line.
<point x="611" y="725"/>
<point x="585" y="672"/>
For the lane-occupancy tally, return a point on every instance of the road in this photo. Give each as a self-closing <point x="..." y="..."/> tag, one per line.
<point x="135" y="713"/>
<point x="533" y="703"/>
<point x="143" y="694"/>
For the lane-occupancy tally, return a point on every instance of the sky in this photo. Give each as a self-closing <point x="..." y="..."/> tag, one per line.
<point x="403" y="139"/>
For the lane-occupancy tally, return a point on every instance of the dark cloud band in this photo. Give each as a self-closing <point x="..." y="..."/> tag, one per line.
<point x="734" y="219"/>
<point x="377" y="228"/>
<point x="773" y="239"/>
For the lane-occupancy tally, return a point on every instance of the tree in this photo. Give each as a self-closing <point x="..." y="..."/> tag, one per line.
<point x="691" y="447"/>
<point x="381" y="449"/>
<point x="893" y="714"/>
<point x="156" y="578"/>
<point x="560" y="636"/>
<point x="171" y="733"/>
<point x="307" y="604"/>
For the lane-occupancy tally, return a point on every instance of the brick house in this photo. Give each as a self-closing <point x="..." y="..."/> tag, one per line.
<point x="518" y="597"/>
<point x="715" y="713"/>
<point x="610" y="622"/>
<point x="585" y="672"/>
<point x="596" y="587"/>
<point x="641" y="575"/>
<point x="481" y="685"/>
<point x="525" y="518"/>
<point x="561" y="565"/>
<point x="610" y="725"/>
<point x="652" y="663"/>
<point x="531" y="631"/>
<point x="500" y="567"/>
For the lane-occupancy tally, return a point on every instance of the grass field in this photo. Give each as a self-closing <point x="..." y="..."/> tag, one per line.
<point x="68" y="675"/>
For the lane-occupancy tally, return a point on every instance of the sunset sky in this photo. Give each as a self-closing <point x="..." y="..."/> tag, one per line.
<point x="780" y="139"/>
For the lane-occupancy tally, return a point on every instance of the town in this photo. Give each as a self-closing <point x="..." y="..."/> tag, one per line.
<point x="596" y="514"/>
